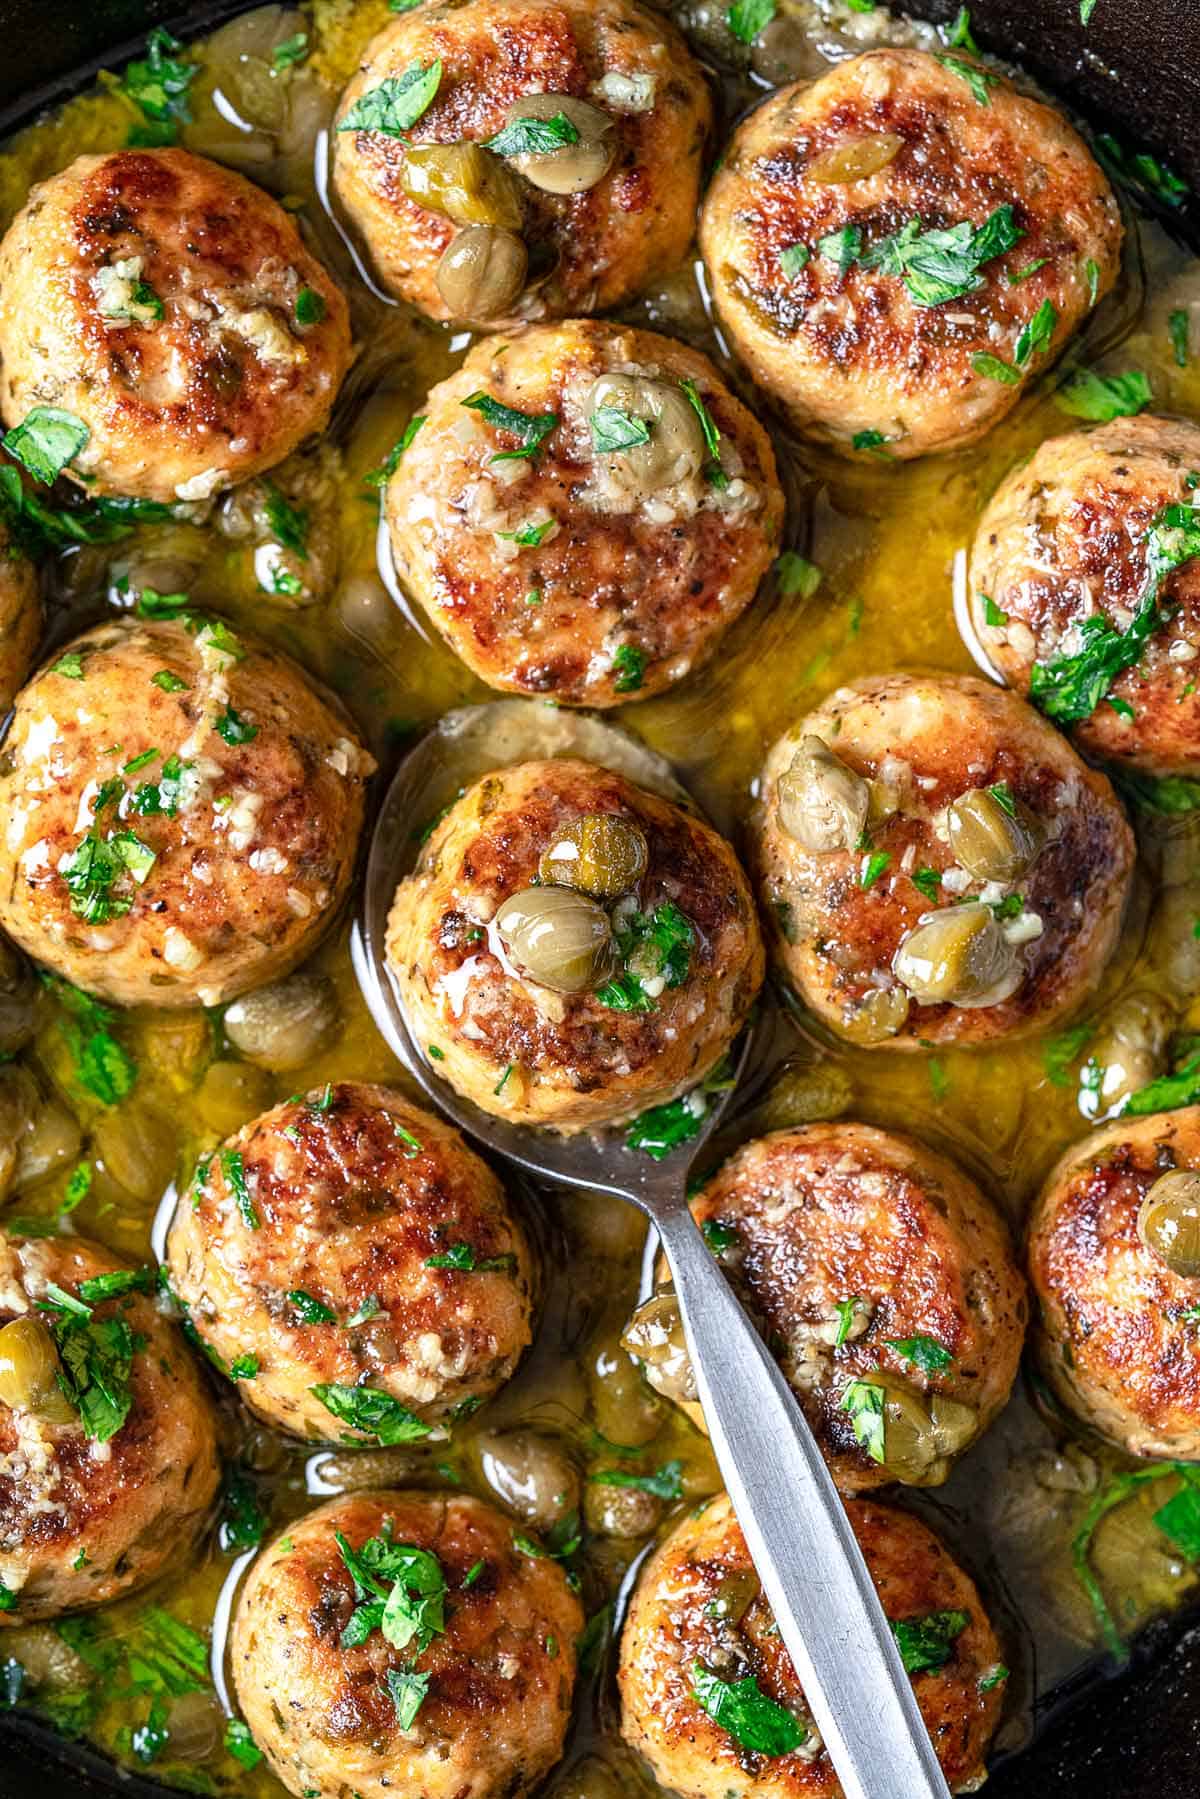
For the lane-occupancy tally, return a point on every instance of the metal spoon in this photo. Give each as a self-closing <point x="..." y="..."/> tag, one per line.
<point x="795" y="1526"/>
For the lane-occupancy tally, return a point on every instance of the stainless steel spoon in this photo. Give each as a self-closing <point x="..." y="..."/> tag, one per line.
<point x="795" y="1526"/>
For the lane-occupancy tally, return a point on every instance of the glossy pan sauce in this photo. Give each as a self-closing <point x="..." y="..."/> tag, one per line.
<point x="889" y="541"/>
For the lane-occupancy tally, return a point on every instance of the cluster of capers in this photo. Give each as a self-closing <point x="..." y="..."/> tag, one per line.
<point x="558" y="932"/>
<point x="29" y="1371"/>
<point x="1169" y="1221"/>
<point x="484" y="270"/>
<point x="922" y="1432"/>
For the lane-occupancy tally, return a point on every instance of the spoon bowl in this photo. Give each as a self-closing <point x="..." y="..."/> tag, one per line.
<point x="796" y="1528"/>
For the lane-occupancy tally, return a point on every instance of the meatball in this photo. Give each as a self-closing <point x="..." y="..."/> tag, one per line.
<point x="698" y="1617"/>
<point x="180" y="813"/>
<point x="1065" y="547"/>
<point x="170" y="306"/>
<point x="869" y="1259"/>
<point x="356" y="1253"/>
<point x="108" y="1453"/>
<point x="939" y="865"/>
<point x="20" y="619"/>
<point x="894" y="257"/>
<point x="1114" y="1259"/>
<point x="573" y="948"/>
<point x="593" y="576"/>
<point x="474" y="1705"/>
<point x="473" y="214"/>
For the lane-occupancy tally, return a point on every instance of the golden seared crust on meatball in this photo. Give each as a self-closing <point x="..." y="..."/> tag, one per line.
<point x="565" y="1007"/>
<point x="97" y="1497"/>
<point x="937" y="863"/>
<point x="153" y="294"/>
<point x="180" y="813"/>
<point x="588" y="250"/>
<point x="856" y="337"/>
<point x="697" y="1613"/>
<point x="1065" y="544"/>
<point x="1115" y="1336"/>
<point x="483" y="1690"/>
<point x="865" y="1254"/>
<point x="20" y="619"/>
<point x="353" y="1246"/>
<point x="590" y="575"/>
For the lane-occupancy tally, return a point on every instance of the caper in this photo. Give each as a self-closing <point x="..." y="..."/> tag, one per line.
<point x="29" y="1369"/>
<point x="481" y="274"/>
<point x="463" y="182"/>
<point x="855" y="161"/>
<point x="137" y="1148"/>
<point x="623" y="1407"/>
<point x="283" y="1026"/>
<point x="533" y="1477"/>
<point x="195" y="1723"/>
<point x="570" y="168"/>
<point x="655" y="1336"/>
<point x="958" y="956"/>
<point x="52" y="1138"/>
<point x="558" y="937"/>
<point x="995" y="837"/>
<point x="878" y="1015"/>
<point x="230" y="1094"/>
<point x="921" y="1432"/>
<point x="596" y="854"/>
<point x="611" y="1511"/>
<point x="1169" y="1221"/>
<point x="822" y="803"/>
<point x="735" y="1594"/>
<point x="675" y="448"/>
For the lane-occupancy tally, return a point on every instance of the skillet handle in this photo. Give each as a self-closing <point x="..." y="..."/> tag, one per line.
<point x="799" y="1537"/>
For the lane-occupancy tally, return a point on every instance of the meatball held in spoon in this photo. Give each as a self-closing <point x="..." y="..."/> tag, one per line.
<point x="938" y="864"/>
<point x="572" y="949"/>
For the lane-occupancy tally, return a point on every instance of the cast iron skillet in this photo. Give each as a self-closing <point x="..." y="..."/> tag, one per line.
<point x="1135" y="71"/>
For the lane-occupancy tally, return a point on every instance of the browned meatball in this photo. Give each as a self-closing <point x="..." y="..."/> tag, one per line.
<point x="180" y="813"/>
<point x="475" y="1705"/>
<point x="589" y="576"/>
<point x="20" y="619"/>
<point x="354" y="1251"/>
<point x="698" y="1612"/>
<point x="614" y="984"/>
<point x="868" y="1258"/>
<point x="106" y="1478"/>
<point x="594" y="220"/>
<point x="1064" y="546"/>
<point x="817" y="234"/>
<point x="938" y="864"/>
<point x="1116" y="1277"/>
<point x="154" y="296"/>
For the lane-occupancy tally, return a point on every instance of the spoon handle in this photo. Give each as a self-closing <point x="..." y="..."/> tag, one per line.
<point x="799" y="1538"/>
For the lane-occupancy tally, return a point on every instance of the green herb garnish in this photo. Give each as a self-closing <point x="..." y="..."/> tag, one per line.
<point x="926" y="1644"/>
<point x="396" y="104"/>
<point x="1088" y="395"/>
<point x="374" y="1413"/>
<point x="742" y="1709"/>
<point x="531" y="428"/>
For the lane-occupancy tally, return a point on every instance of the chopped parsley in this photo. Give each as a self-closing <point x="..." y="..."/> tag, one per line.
<point x="1114" y="1493"/>
<point x="116" y="1284"/>
<point x="243" y="1522"/>
<point x="1061" y="1052"/>
<point x="96" y="865"/>
<point x="871" y="440"/>
<point x="533" y="137"/>
<point x="926" y="881"/>
<point x="97" y="1358"/>
<point x="926" y="1644"/>
<point x="1034" y="337"/>
<point x="1088" y="395"/>
<point x="379" y="477"/>
<point x="234" y="1170"/>
<point x="310" y="1310"/>
<point x="743" y="1710"/>
<point x="992" y="615"/>
<point x="102" y="1066"/>
<point x="873" y="866"/>
<point x="1143" y="173"/>
<point x="399" y="1590"/>
<point x="863" y="1403"/>
<point x="396" y="104"/>
<point x="959" y="36"/>
<point x="530" y="537"/>
<point x="796" y="575"/>
<point x="655" y="952"/>
<point x="530" y="428"/>
<point x="1168" y="795"/>
<point x="289" y="523"/>
<point x="46" y="442"/>
<point x="158" y="84"/>
<point x="662" y="1129"/>
<point x="238" y="1741"/>
<point x="712" y="471"/>
<point x="374" y="1413"/>
<point x="233" y="728"/>
<point x="614" y="430"/>
<point x="842" y="247"/>
<point x="462" y="1258"/>
<point x="664" y="1483"/>
<point x="793" y="258"/>
<point x="407" y="1692"/>
<point x="846" y="1309"/>
<point x="923" y="1352"/>
<point x="719" y="1237"/>
<point x="1168" y="1092"/>
<point x="70" y="666"/>
<point x="243" y="1367"/>
<point x="977" y="79"/>
<point x="746" y="18"/>
<point x="629" y="666"/>
<point x="1179" y="326"/>
<point x="940" y="265"/>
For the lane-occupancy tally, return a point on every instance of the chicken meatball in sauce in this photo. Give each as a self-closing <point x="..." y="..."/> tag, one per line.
<point x="547" y="160"/>
<point x="170" y="309"/>
<point x="895" y="258"/>
<point x="698" y="1623"/>
<point x="362" y="1259"/>
<point x="938" y="864"/>
<point x="573" y="948"/>
<point x="180" y="813"/>
<point x="1114" y="1258"/>
<point x="605" y="563"/>
<point x="886" y="1281"/>
<point x="459" y="1689"/>
<point x="108" y="1450"/>
<point x="1080" y="541"/>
